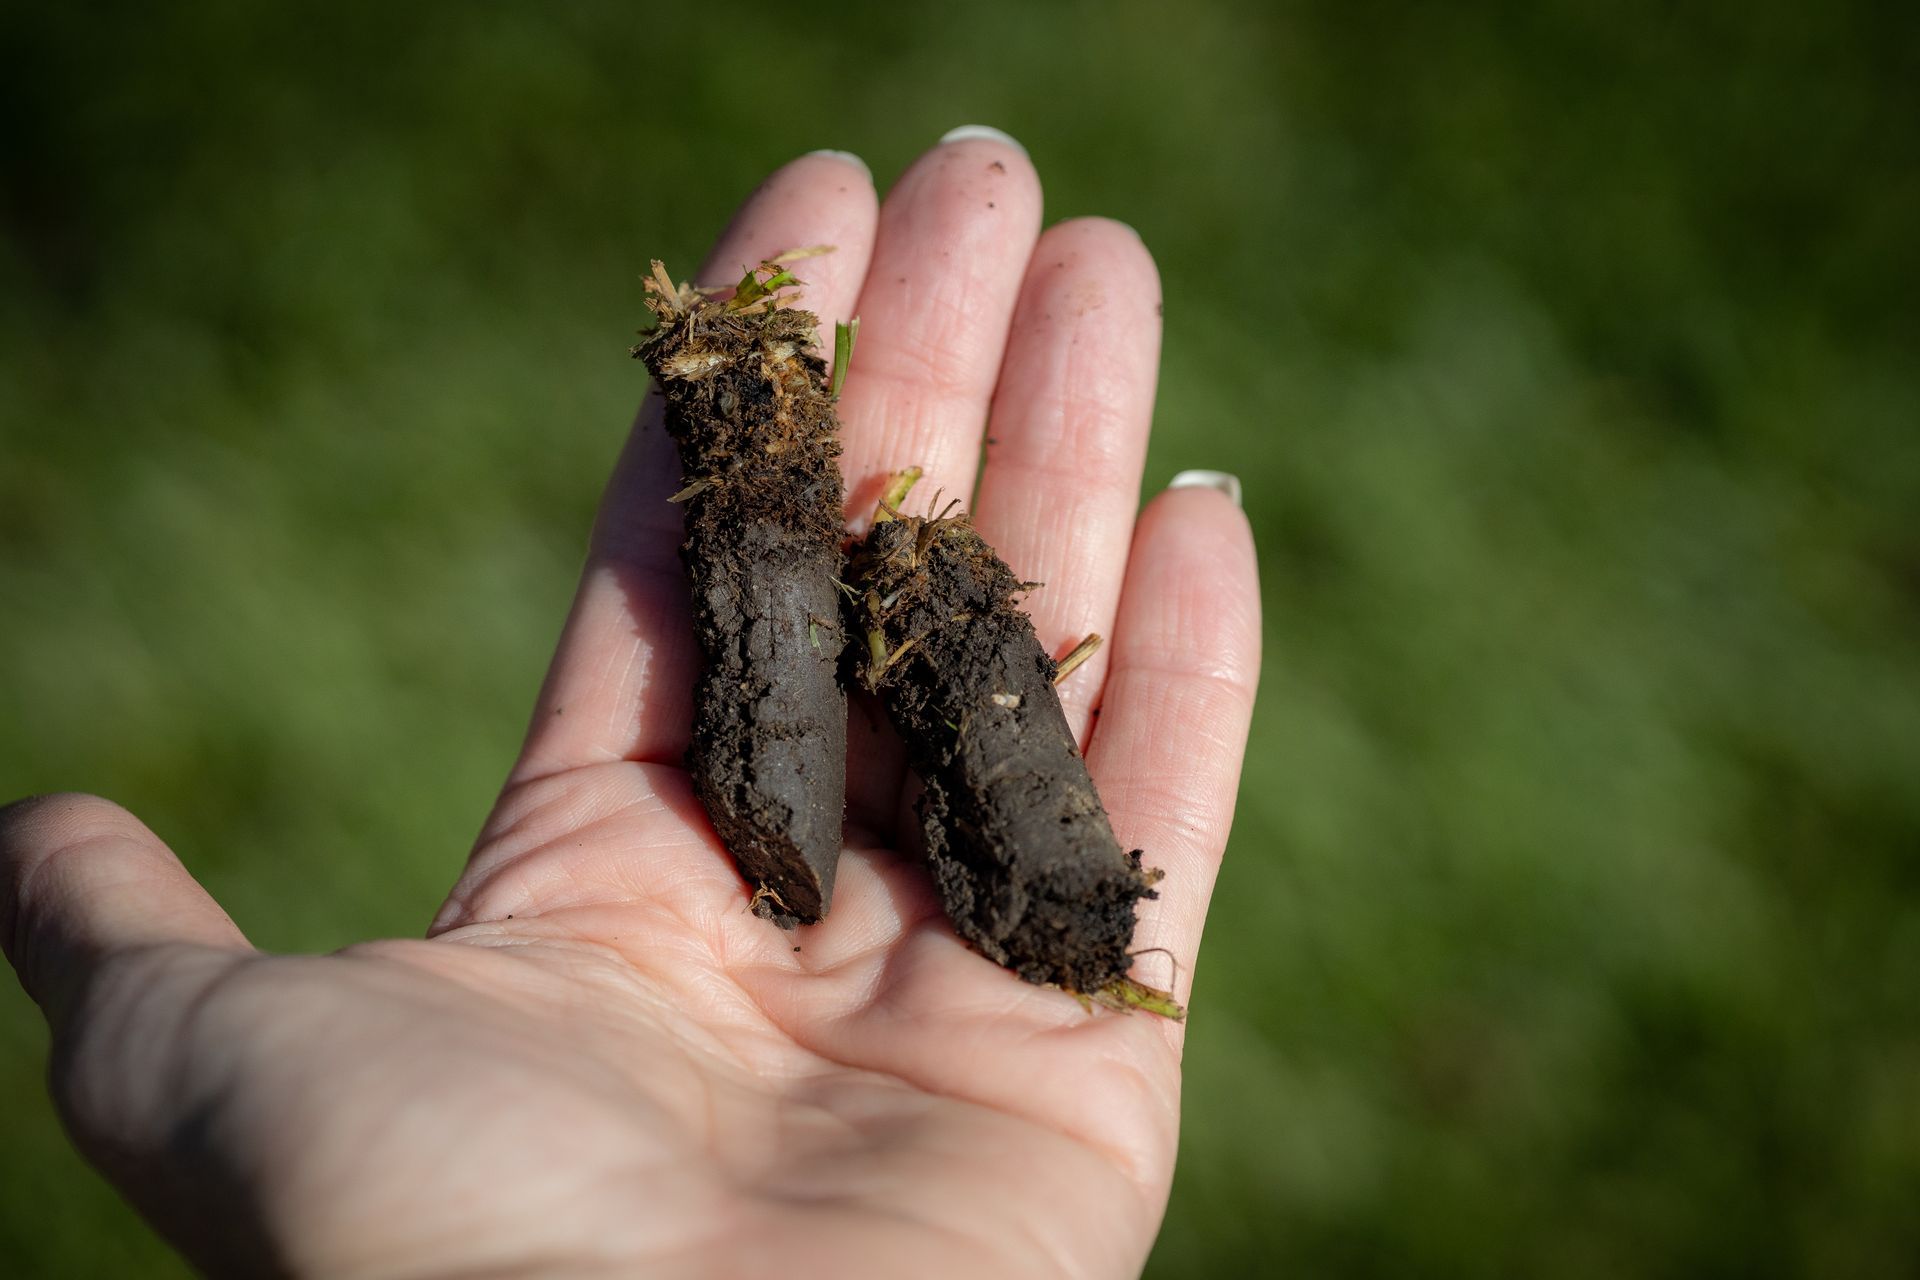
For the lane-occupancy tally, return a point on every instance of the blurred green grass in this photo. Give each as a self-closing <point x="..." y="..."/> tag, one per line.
<point x="1571" y="924"/>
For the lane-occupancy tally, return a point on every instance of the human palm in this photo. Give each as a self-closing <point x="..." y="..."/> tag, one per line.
<point x="600" y="1062"/>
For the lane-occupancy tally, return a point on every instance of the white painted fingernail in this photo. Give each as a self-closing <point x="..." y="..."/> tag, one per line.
<point x="849" y="157"/>
<point x="1225" y="481"/>
<point x="980" y="132"/>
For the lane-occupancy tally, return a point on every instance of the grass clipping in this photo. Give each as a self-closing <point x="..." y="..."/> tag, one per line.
<point x="749" y="407"/>
<point x="1020" y="846"/>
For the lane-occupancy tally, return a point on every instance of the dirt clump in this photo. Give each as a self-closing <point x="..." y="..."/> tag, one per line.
<point x="749" y="408"/>
<point x="1018" y="841"/>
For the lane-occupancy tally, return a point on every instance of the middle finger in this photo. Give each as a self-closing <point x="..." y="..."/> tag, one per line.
<point x="953" y="243"/>
<point x="954" y="238"/>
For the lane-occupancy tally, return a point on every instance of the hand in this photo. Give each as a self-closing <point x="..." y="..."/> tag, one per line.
<point x="599" y="1063"/>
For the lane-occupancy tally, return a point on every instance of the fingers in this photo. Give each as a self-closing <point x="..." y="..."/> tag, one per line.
<point x="82" y="879"/>
<point x="1172" y="731"/>
<point x="956" y="233"/>
<point x="955" y="236"/>
<point x="621" y="682"/>
<point x="1068" y="436"/>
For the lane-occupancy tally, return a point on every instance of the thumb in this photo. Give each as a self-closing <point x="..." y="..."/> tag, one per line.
<point x="81" y="879"/>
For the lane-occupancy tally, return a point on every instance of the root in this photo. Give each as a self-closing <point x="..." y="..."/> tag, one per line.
<point x="897" y="490"/>
<point x="767" y="893"/>
<point x="1125" y="993"/>
<point x="1077" y="655"/>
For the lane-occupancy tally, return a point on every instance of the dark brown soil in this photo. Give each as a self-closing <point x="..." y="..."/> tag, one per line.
<point x="747" y="405"/>
<point x="1019" y="843"/>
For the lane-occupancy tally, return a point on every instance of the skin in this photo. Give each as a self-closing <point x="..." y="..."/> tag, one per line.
<point x="597" y="1063"/>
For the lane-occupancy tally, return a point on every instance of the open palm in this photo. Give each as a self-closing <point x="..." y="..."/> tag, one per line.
<point x="600" y="1062"/>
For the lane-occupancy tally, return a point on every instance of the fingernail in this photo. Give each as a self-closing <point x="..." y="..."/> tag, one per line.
<point x="983" y="132"/>
<point x="849" y="157"/>
<point x="1225" y="481"/>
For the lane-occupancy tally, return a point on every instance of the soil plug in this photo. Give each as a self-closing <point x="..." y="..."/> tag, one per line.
<point x="748" y="405"/>
<point x="1019" y="844"/>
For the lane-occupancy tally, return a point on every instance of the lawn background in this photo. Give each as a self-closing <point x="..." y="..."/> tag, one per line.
<point x="1571" y="921"/>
